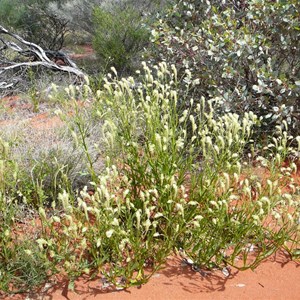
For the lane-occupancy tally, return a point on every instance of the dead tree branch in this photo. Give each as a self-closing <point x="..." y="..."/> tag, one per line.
<point x="18" y="54"/>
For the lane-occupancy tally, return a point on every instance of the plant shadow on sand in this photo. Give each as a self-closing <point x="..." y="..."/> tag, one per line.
<point x="179" y="281"/>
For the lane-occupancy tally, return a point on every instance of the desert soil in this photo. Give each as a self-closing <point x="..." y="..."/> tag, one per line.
<point x="276" y="278"/>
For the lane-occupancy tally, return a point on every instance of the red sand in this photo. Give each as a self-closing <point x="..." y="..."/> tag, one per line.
<point x="276" y="278"/>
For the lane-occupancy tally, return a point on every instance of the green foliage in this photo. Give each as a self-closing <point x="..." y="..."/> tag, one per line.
<point x="23" y="267"/>
<point x="8" y="168"/>
<point x="79" y="13"/>
<point x="119" y="35"/>
<point x="244" y="55"/>
<point x="36" y="176"/>
<point x="159" y="190"/>
<point x="10" y="12"/>
<point x="34" y="21"/>
<point x="166" y="156"/>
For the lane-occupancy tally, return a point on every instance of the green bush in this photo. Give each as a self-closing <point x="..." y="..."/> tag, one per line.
<point x="10" y="13"/>
<point x="36" y="166"/>
<point x="119" y="36"/>
<point x="79" y="13"/>
<point x="244" y="55"/>
<point x="35" y="22"/>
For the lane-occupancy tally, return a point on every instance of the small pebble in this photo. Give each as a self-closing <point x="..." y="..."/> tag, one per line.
<point x="225" y="272"/>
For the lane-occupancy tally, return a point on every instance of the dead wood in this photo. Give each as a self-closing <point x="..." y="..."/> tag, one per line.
<point x="18" y="55"/>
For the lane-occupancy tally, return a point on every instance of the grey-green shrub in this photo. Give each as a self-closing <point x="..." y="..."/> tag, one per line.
<point x="243" y="54"/>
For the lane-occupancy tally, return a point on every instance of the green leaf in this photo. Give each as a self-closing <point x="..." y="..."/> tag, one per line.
<point x="71" y="286"/>
<point x="296" y="253"/>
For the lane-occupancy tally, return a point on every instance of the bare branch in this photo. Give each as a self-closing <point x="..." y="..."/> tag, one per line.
<point x="17" y="53"/>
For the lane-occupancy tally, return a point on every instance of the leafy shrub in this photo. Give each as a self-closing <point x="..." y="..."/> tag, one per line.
<point x="79" y="13"/>
<point x="119" y="36"/>
<point x="35" y="22"/>
<point x="10" y="12"/>
<point x="243" y="54"/>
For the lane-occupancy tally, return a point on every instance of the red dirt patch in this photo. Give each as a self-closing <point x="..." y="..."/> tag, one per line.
<point x="87" y="51"/>
<point x="44" y="121"/>
<point x="13" y="102"/>
<point x="276" y="278"/>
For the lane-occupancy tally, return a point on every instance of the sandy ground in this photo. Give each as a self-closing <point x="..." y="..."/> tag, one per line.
<point x="276" y="278"/>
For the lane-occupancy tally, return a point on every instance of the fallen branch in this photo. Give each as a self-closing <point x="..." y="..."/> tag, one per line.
<point x="17" y="53"/>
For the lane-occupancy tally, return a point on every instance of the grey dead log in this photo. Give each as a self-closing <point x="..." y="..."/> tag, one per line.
<point x="33" y="55"/>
